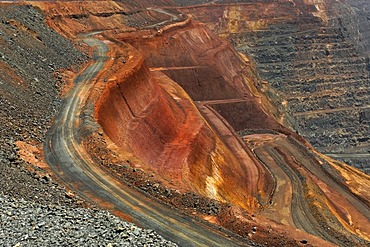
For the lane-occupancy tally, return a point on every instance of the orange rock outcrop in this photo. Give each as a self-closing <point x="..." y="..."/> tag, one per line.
<point x="150" y="115"/>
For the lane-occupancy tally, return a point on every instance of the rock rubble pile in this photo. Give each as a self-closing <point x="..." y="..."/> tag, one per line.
<point x="24" y="223"/>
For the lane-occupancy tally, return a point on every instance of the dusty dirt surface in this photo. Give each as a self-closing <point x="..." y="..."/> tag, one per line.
<point x="224" y="157"/>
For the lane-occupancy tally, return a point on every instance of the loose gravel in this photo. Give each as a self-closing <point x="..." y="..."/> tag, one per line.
<point x="25" y="223"/>
<point x="34" y="209"/>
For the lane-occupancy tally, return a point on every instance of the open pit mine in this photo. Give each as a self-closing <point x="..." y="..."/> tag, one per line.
<point x="213" y="123"/>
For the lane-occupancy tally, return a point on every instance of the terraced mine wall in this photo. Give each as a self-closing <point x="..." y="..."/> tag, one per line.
<point x="146" y="113"/>
<point x="316" y="57"/>
<point x="71" y="20"/>
<point x="184" y="55"/>
<point x="31" y="56"/>
<point x="355" y="19"/>
<point x="324" y="79"/>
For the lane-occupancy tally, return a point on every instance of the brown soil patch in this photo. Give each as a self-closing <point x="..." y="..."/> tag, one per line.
<point x="32" y="154"/>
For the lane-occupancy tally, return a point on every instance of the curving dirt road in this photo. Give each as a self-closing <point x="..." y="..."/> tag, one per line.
<point x="292" y="164"/>
<point x="162" y="11"/>
<point x="294" y="209"/>
<point x="73" y="165"/>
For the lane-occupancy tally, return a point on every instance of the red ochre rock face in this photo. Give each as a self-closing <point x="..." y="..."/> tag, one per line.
<point x="172" y="138"/>
<point x="136" y="112"/>
<point x="152" y="116"/>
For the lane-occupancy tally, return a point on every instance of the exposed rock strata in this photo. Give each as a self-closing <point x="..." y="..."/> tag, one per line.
<point x="315" y="57"/>
<point x="164" y="130"/>
<point x="319" y="197"/>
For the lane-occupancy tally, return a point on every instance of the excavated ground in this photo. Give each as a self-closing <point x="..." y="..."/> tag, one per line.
<point x="188" y="153"/>
<point x="316" y="57"/>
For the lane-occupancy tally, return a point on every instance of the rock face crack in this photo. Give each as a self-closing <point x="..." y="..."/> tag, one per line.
<point x="125" y="100"/>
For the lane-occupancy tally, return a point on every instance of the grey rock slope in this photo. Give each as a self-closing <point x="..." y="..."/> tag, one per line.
<point x="34" y="209"/>
<point x="30" y="54"/>
<point x="322" y="70"/>
<point x="24" y="223"/>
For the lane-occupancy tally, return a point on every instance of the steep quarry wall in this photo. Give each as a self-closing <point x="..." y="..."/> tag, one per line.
<point x="314" y="54"/>
<point x="166" y="132"/>
<point x="207" y="67"/>
<point x="145" y="113"/>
